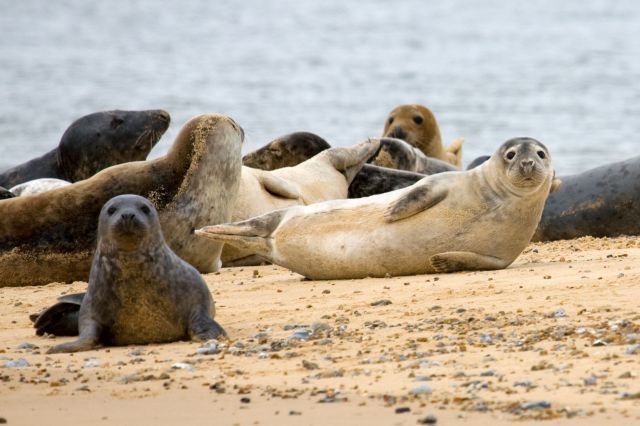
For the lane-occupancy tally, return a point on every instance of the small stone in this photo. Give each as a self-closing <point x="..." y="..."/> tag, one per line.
<point x="422" y="378"/>
<point x="535" y="405"/>
<point x="3" y="421"/>
<point x="559" y="313"/>
<point x="301" y="334"/>
<point x="263" y="355"/>
<point x="429" y="420"/>
<point x="383" y="302"/>
<point x="18" y="363"/>
<point x="182" y="366"/>
<point x="256" y="273"/>
<point x="91" y="364"/>
<point x="27" y="346"/>
<point x="319" y="327"/>
<point x="421" y="390"/>
<point x="591" y="380"/>
<point x="599" y="342"/>
<point x="84" y="388"/>
<point x="212" y="347"/>
<point x="139" y="351"/>
<point x="245" y="400"/>
<point x="633" y="349"/>
<point x="309" y="365"/>
<point x="488" y="373"/>
<point x="523" y="383"/>
<point x="401" y="410"/>
<point x="295" y="413"/>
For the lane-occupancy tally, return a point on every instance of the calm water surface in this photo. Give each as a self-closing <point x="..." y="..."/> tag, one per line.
<point x="567" y="73"/>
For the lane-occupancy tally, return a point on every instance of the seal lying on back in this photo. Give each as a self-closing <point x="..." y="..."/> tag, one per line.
<point x="397" y="154"/>
<point x="92" y="143"/>
<point x="324" y="177"/>
<point x="416" y="125"/>
<point x="139" y="290"/>
<point x="52" y="236"/>
<point x="471" y="220"/>
<point x="286" y="151"/>
<point x="601" y="202"/>
<point x="37" y="186"/>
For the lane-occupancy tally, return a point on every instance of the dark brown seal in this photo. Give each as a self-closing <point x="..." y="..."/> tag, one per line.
<point x="139" y="290"/>
<point x="398" y="154"/>
<point x="93" y="143"/>
<point x="286" y="151"/>
<point x="52" y="236"/>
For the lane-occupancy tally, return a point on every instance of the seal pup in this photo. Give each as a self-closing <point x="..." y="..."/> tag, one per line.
<point x="398" y="154"/>
<point x="92" y="143"/>
<point x="326" y="176"/>
<point x="37" y="186"/>
<point x="51" y="236"/>
<point x="469" y="220"/>
<point x="417" y="125"/>
<point x="140" y="291"/>
<point x="373" y="180"/>
<point x="286" y="151"/>
<point x="600" y="202"/>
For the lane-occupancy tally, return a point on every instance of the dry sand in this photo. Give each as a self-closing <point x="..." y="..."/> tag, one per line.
<point x="560" y="329"/>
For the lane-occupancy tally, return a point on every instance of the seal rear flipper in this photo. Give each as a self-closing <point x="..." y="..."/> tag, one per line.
<point x="350" y="160"/>
<point x="60" y="319"/>
<point x="278" y="186"/>
<point x="416" y="200"/>
<point x="455" y="151"/>
<point x="251" y="235"/>
<point x="454" y="261"/>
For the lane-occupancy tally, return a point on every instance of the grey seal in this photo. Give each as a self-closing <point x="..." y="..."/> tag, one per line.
<point x="93" y="143"/>
<point x="480" y="219"/>
<point x="140" y="291"/>
<point x="286" y="151"/>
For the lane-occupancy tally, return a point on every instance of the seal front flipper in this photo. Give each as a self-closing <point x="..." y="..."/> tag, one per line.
<point x="88" y="340"/>
<point x="205" y="328"/>
<point x="454" y="261"/>
<point x="278" y="186"/>
<point x="420" y="198"/>
<point x="350" y="160"/>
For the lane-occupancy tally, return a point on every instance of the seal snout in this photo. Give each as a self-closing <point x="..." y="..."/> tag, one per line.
<point x="527" y="167"/>
<point x="398" y="133"/>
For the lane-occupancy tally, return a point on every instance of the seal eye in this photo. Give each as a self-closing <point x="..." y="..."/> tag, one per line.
<point x="111" y="210"/>
<point x="510" y="155"/>
<point x="417" y="119"/>
<point x="145" y="209"/>
<point x="542" y="155"/>
<point x="116" y="122"/>
<point x="390" y="120"/>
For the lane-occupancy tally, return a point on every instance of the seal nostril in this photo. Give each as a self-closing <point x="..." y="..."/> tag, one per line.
<point x="128" y="216"/>
<point x="398" y="133"/>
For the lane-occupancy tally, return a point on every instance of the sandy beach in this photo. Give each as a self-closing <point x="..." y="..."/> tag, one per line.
<point x="554" y="337"/>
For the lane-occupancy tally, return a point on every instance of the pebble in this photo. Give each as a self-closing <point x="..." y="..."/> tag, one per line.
<point x="535" y="405"/>
<point x="91" y="364"/>
<point x="245" y="400"/>
<point x="310" y="365"/>
<point x="523" y="383"/>
<point x="27" y="346"/>
<point x="422" y="378"/>
<point x="421" y="390"/>
<point x="599" y="342"/>
<point x="136" y="352"/>
<point x="288" y="327"/>
<point x="488" y="373"/>
<point x="301" y="334"/>
<point x="591" y="380"/>
<point x="182" y="366"/>
<point x="401" y="410"/>
<point x="383" y="302"/>
<point x="485" y="338"/>
<point x="319" y="327"/>
<point x="429" y="420"/>
<point x="211" y="347"/>
<point x="3" y="421"/>
<point x="263" y="355"/>
<point x="559" y="313"/>
<point x="634" y="349"/>
<point x="18" y="363"/>
<point x="295" y="413"/>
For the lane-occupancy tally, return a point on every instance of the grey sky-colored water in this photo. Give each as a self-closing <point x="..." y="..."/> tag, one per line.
<point x="565" y="72"/>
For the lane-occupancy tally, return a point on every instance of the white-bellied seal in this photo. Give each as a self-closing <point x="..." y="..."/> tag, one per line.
<point x="286" y="151"/>
<point x="398" y="154"/>
<point x="416" y="125"/>
<point x="467" y="220"/>
<point x="140" y="291"/>
<point x="51" y="236"/>
<point x="600" y="202"/>
<point x="326" y="176"/>
<point x="37" y="186"/>
<point x="92" y="143"/>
